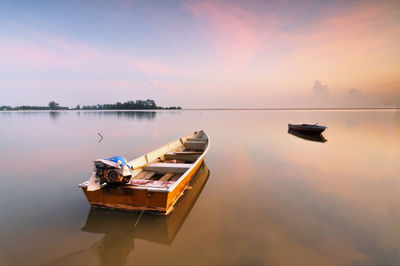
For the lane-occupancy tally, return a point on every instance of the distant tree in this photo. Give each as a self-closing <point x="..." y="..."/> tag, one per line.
<point x="150" y="104"/>
<point x="53" y="105"/>
<point x="78" y="107"/>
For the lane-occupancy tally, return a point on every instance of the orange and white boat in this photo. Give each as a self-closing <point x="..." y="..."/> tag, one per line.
<point x="152" y="182"/>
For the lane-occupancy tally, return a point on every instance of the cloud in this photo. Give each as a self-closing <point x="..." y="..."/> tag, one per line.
<point x="355" y="93"/>
<point x="319" y="89"/>
<point x="49" y="53"/>
<point x="44" y="66"/>
<point x="149" y="67"/>
<point x="153" y="83"/>
<point x="357" y="98"/>
<point x="44" y="54"/>
<point x="323" y="96"/>
<point x="232" y="28"/>
<point x="389" y="94"/>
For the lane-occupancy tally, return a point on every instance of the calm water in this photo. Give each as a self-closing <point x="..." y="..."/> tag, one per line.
<point x="263" y="197"/>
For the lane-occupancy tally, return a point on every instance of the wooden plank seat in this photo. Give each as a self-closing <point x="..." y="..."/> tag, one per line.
<point x="167" y="167"/>
<point x="144" y="175"/>
<point x="187" y="152"/>
<point x="195" y="145"/>
<point x="196" y="139"/>
<point x="150" y="183"/>
<point x="167" y="176"/>
<point x="188" y="156"/>
<point x="175" y="177"/>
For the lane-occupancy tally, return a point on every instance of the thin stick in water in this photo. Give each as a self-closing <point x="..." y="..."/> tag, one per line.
<point x="100" y="136"/>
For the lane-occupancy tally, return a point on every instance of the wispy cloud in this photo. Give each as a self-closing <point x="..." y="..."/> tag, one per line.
<point x="52" y="53"/>
<point x="149" y="67"/>
<point x="52" y="67"/>
<point x="153" y="83"/>
<point x="233" y="29"/>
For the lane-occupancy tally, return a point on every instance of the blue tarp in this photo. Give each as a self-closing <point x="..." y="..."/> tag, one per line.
<point x="118" y="159"/>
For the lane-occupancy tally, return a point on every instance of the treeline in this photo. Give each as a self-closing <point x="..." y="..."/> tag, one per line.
<point x="24" y="107"/>
<point x="51" y="106"/>
<point x="130" y="105"/>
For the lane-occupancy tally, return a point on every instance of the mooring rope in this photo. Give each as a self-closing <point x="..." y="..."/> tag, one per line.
<point x="65" y="256"/>
<point x="141" y="213"/>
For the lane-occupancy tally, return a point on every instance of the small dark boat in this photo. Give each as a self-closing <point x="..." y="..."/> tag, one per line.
<point x="308" y="136"/>
<point x="307" y="129"/>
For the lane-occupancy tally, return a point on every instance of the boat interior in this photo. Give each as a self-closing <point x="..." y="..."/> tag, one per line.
<point x="173" y="163"/>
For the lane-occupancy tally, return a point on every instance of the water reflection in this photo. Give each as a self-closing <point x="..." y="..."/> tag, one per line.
<point x="290" y="201"/>
<point x="117" y="244"/>
<point x="139" y="115"/>
<point x="311" y="137"/>
<point x="54" y="115"/>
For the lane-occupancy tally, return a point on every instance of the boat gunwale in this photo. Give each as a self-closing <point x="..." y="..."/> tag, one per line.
<point x="306" y="126"/>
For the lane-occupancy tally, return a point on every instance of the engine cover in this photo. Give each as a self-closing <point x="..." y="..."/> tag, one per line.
<point x="114" y="170"/>
<point x="111" y="176"/>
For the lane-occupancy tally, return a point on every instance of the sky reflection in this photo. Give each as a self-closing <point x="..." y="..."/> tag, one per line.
<point x="272" y="198"/>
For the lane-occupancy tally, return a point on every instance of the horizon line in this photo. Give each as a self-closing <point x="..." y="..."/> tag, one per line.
<point x="234" y="109"/>
<point x="299" y="108"/>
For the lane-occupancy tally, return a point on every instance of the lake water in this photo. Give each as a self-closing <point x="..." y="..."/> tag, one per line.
<point x="263" y="197"/>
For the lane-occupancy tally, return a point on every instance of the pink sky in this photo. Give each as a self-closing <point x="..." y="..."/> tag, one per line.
<point x="243" y="54"/>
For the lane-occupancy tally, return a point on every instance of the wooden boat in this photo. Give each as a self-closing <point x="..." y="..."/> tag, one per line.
<point x="311" y="137"/>
<point x="307" y="128"/>
<point x="158" y="178"/>
<point x="155" y="228"/>
<point x="119" y="231"/>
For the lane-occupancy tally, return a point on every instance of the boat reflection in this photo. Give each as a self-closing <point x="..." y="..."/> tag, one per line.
<point x="310" y="137"/>
<point x="118" y="226"/>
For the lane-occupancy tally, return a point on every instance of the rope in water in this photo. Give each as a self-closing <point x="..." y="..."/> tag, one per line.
<point x="141" y="213"/>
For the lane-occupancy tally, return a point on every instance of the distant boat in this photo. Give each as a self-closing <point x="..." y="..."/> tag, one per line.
<point x="152" y="182"/>
<point x="307" y="128"/>
<point x="307" y="136"/>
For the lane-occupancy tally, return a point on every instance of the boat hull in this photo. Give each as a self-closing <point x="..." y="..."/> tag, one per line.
<point x="308" y="129"/>
<point x="311" y="137"/>
<point x="130" y="199"/>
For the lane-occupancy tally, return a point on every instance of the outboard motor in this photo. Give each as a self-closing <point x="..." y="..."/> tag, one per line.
<point x="114" y="170"/>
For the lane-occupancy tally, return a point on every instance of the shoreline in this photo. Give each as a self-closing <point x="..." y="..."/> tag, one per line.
<point x="220" y="109"/>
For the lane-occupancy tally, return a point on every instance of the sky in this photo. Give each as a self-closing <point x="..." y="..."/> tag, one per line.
<point x="201" y="54"/>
